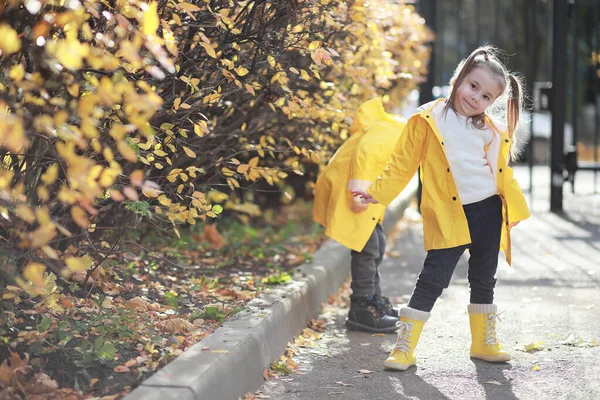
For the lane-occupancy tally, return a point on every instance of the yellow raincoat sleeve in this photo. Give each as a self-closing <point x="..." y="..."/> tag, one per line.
<point x="402" y="164"/>
<point x="517" y="206"/>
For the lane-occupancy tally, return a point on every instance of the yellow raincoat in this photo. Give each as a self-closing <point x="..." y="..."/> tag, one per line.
<point x="362" y="157"/>
<point x="444" y="221"/>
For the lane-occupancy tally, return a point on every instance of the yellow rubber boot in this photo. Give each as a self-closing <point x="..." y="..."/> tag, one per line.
<point x="410" y="326"/>
<point x="484" y="344"/>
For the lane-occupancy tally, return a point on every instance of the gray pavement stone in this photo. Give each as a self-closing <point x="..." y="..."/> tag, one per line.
<point x="549" y="296"/>
<point x="250" y="341"/>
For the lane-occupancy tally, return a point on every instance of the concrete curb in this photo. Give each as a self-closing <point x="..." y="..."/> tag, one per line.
<point x="250" y="341"/>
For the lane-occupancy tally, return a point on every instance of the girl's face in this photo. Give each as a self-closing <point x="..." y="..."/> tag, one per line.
<point x="477" y="91"/>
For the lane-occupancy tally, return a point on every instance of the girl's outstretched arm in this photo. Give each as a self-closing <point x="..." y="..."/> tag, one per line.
<point x="364" y="196"/>
<point x="403" y="163"/>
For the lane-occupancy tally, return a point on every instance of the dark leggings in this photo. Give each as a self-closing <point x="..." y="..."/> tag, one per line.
<point x="485" y="226"/>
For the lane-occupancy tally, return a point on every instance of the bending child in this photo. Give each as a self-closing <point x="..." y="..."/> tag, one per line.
<point x="470" y="198"/>
<point x="354" y="224"/>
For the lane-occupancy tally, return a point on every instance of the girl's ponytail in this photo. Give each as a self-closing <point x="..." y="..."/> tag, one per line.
<point x="514" y="105"/>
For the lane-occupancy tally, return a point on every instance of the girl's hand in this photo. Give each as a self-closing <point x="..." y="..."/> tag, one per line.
<point x="358" y="206"/>
<point x="364" y="196"/>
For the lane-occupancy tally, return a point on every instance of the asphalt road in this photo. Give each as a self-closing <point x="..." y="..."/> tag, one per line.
<point x="550" y="323"/>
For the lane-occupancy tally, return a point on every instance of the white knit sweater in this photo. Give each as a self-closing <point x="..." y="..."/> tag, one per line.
<point x="464" y="145"/>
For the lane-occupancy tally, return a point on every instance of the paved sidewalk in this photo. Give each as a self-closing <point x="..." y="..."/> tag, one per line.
<point x="230" y="362"/>
<point x="549" y="300"/>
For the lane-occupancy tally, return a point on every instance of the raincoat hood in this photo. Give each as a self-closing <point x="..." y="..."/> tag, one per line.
<point x="370" y="113"/>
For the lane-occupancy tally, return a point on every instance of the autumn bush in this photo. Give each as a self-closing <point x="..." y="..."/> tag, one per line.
<point x="126" y="113"/>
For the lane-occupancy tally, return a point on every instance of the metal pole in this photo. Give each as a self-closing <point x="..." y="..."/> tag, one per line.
<point x="559" y="76"/>
<point x="427" y="9"/>
<point x="575" y="96"/>
<point x="596" y="19"/>
<point x="497" y="23"/>
<point x="532" y="36"/>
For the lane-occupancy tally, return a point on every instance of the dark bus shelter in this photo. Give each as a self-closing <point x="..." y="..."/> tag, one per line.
<point x="555" y="45"/>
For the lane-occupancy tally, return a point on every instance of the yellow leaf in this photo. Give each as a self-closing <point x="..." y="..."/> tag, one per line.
<point x="126" y="151"/>
<point x="241" y="71"/>
<point x="278" y="76"/>
<point x="150" y="20"/>
<point x="250" y="89"/>
<point x="34" y="272"/>
<point x="188" y="7"/>
<point x="304" y="75"/>
<point x="190" y="153"/>
<point x="50" y="175"/>
<point x="209" y="50"/>
<point x="80" y="216"/>
<point x="314" y="45"/>
<point x="79" y="263"/>
<point x="271" y="61"/>
<point x="164" y="200"/>
<point x="227" y="172"/>
<point x="9" y="40"/>
<point x="151" y="192"/>
<point x="198" y="130"/>
<point x="108" y="177"/>
<point x="176" y="103"/>
<point x="537" y="346"/>
<point x="50" y="252"/>
<point x="17" y="73"/>
<point x="136" y="178"/>
<point x="25" y="213"/>
<point x="69" y="52"/>
<point x="242" y="168"/>
<point x="253" y="162"/>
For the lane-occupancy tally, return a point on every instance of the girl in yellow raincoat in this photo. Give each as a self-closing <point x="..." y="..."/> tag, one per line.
<point x="470" y="198"/>
<point x="350" y="222"/>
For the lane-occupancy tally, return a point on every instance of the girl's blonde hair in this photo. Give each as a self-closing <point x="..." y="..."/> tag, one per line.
<point x="512" y="91"/>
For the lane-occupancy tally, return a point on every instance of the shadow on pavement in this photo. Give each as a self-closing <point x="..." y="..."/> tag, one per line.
<point x="412" y="386"/>
<point x="491" y="378"/>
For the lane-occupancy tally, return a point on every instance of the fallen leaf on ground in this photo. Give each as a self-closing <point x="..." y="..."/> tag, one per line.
<point x="578" y="341"/>
<point x="212" y="235"/>
<point x="130" y="363"/>
<point x="531" y="347"/>
<point x="364" y="371"/>
<point x="79" y="277"/>
<point x="41" y="384"/>
<point x="139" y="304"/>
<point x="16" y="363"/>
<point x="175" y="325"/>
<point x="121" y="368"/>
